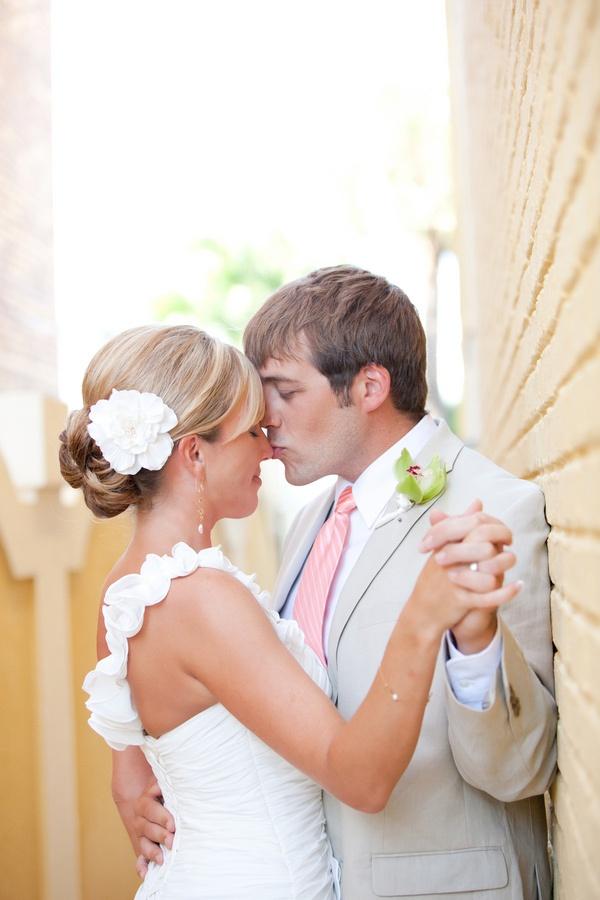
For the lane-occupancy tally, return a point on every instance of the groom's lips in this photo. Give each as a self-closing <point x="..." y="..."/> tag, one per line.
<point x="277" y="451"/>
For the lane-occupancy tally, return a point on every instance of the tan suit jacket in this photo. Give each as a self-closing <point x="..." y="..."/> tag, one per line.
<point x="467" y="818"/>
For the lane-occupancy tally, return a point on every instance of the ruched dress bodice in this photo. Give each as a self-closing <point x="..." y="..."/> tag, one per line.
<point x="248" y="824"/>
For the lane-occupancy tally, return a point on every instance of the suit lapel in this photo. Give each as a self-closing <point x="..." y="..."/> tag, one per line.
<point x="301" y="541"/>
<point x="385" y="540"/>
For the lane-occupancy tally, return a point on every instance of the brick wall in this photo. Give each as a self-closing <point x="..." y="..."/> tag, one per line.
<point x="27" y="339"/>
<point x="526" y="97"/>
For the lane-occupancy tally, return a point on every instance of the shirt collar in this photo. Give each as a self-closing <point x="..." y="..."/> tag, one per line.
<point x="374" y="487"/>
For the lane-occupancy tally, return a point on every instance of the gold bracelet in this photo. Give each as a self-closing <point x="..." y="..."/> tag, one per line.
<point x="393" y="693"/>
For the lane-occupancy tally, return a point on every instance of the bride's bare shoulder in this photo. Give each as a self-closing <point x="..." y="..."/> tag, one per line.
<point x="216" y="618"/>
<point x="208" y="590"/>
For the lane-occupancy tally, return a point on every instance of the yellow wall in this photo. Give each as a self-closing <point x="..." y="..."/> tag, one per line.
<point x="18" y="759"/>
<point x="526" y="96"/>
<point x="107" y="859"/>
<point x="106" y="854"/>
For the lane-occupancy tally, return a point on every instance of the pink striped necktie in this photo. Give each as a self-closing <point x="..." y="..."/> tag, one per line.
<point x="319" y="570"/>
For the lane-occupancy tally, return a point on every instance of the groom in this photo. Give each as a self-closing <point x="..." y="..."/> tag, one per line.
<point x="342" y="358"/>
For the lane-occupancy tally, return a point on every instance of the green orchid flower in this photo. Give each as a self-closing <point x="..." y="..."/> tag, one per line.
<point x="420" y="484"/>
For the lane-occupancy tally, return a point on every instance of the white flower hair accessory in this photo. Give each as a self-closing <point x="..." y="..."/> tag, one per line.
<point x="131" y="429"/>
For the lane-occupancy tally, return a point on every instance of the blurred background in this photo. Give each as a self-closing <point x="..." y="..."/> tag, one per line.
<point x="201" y="158"/>
<point x="177" y="162"/>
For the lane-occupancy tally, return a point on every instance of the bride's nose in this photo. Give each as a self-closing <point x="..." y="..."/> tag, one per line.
<point x="265" y="448"/>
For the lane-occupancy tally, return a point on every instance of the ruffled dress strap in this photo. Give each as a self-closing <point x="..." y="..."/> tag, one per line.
<point x="113" y="714"/>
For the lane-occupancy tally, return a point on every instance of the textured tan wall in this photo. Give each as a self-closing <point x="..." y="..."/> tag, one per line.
<point x="526" y="86"/>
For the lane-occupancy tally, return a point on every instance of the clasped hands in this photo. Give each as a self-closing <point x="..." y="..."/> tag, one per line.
<point x="471" y="549"/>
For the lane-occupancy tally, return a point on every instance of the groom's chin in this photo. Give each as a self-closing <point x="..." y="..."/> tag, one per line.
<point x="296" y="477"/>
<point x="292" y="477"/>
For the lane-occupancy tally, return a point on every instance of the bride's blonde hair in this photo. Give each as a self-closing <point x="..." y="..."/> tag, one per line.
<point x="199" y="377"/>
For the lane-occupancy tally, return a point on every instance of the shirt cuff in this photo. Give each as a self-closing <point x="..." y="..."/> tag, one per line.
<point x="473" y="676"/>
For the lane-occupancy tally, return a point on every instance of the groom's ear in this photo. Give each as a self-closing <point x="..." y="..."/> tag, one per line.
<point x="371" y="387"/>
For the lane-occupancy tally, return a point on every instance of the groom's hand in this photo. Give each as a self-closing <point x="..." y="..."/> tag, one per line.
<point x="153" y="826"/>
<point x="475" y="631"/>
<point x="458" y="541"/>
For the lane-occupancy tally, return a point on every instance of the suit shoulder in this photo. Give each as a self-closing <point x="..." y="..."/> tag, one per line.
<point x="485" y="476"/>
<point x="312" y="506"/>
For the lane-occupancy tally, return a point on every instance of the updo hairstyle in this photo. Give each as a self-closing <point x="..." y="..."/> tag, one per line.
<point x="199" y="377"/>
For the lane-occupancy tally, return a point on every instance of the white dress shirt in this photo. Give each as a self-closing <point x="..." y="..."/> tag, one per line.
<point x="471" y="677"/>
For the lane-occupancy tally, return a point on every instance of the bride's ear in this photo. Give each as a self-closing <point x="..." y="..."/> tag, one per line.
<point x="190" y="450"/>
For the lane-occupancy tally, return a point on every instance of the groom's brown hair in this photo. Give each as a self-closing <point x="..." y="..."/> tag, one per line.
<point x="349" y="318"/>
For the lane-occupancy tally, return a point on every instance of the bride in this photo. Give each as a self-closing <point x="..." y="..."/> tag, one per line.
<point x="225" y="700"/>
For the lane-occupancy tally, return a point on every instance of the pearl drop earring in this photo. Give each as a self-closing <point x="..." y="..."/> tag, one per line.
<point x="200" y="505"/>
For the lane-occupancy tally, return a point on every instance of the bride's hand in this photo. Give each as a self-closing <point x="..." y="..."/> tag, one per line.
<point x="141" y="866"/>
<point x="473" y="538"/>
<point x="153" y="826"/>
<point x="442" y="599"/>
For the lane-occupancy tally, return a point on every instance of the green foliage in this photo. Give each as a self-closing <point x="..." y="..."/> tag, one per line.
<point x="173" y="304"/>
<point x="232" y="285"/>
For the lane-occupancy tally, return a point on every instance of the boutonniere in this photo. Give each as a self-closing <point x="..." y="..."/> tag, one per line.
<point x="420" y="484"/>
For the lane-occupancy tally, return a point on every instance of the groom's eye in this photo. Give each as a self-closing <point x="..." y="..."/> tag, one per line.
<point x="285" y="395"/>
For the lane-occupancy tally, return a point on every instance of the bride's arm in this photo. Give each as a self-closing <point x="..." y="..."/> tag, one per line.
<point x="230" y="646"/>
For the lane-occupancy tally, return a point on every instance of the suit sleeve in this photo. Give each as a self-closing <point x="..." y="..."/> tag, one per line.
<point x="509" y="749"/>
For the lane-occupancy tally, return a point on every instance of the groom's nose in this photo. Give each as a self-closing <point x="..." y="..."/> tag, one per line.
<point x="270" y="419"/>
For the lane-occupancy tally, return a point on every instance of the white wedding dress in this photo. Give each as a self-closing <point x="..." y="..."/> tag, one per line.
<point x="249" y="826"/>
